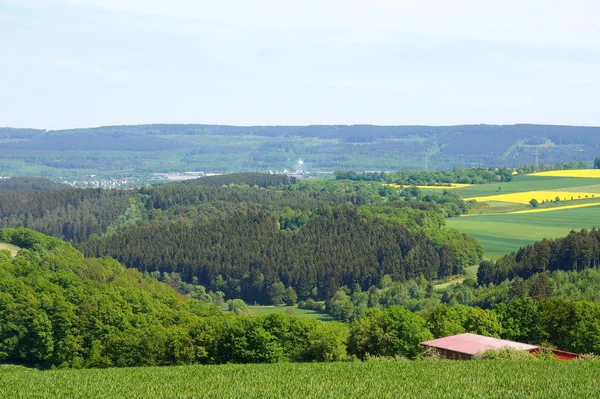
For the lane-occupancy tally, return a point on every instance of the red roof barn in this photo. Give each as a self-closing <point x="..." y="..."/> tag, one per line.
<point x="465" y="346"/>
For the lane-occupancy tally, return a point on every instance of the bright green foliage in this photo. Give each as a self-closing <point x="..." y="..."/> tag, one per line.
<point x="290" y="297"/>
<point x="58" y="308"/>
<point x="340" y="306"/>
<point x="521" y="320"/>
<point x="237" y="306"/>
<point x="443" y="321"/>
<point x="369" y="380"/>
<point x="269" y="339"/>
<point x="5" y="255"/>
<point x="395" y="331"/>
<point x="573" y="326"/>
<point x="276" y="292"/>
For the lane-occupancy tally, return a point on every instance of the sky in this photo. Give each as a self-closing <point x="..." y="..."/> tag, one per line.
<point x="83" y="63"/>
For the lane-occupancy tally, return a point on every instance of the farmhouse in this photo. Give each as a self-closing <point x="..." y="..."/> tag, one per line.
<point x="465" y="346"/>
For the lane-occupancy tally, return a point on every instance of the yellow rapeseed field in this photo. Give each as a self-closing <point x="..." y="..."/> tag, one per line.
<point x="558" y="208"/>
<point x="525" y="197"/>
<point x="594" y="173"/>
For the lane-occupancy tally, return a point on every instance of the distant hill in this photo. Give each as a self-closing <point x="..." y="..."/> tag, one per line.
<point x="113" y="151"/>
<point x="30" y="183"/>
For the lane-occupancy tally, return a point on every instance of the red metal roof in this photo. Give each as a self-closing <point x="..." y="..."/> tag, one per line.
<point x="472" y="343"/>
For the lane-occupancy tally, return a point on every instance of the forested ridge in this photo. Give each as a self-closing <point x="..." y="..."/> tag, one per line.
<point x="241" y="234"/>
<point x="140" y="151"/>
<point x="30" y="183"/>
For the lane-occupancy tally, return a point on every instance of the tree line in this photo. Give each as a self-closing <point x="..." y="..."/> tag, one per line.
<point x="263" y="180"/>
<point x="427" y="178"/>
<point x="30" y="183"/>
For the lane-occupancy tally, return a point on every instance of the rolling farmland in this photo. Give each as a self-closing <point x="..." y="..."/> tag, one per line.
<point x="525" y="197"/>
<point x="503" y="233"/>
<point x="594" y="173"/>
<point x="528" y="183"/>
<point x="503" y="221"/>
<point x="403" y="379"/>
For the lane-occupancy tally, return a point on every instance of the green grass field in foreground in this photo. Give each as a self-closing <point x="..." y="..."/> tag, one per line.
<point x="504" y="233"/>
<point x="404" y="379"/>
<point x="291" y="310"/>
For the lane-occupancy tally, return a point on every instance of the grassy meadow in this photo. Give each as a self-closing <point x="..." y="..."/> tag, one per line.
<point x="403" y="379"/>
<point x="290" y="310"/>
<point x="503" y="233"/>
<point x="503" y="221"/>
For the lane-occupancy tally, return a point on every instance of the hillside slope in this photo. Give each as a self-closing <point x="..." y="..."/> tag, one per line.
<point x="113" y="151"/>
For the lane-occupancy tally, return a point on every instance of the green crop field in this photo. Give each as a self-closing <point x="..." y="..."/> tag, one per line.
<point x="404" y="379"/>
<point x="290" y="310"/>
<point x="527" y="183"/>
<point x="503" y="233"/>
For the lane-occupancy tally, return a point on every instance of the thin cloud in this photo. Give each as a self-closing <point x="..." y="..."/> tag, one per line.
<point x="573" y="24"/>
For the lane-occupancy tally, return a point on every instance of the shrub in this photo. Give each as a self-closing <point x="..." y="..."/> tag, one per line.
<point x="588" y="356"/>
<point x="310" y="304"/>
<point x="504" y="354"/>
<point x="432" y="354"/>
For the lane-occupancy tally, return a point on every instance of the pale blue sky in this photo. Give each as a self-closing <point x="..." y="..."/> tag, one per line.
<point x="79" y="63"/>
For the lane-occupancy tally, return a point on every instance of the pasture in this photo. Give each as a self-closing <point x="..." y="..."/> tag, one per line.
<point x="503" y="233"/>
<point x="402" y="379"/>
<point x="289" y="310"/>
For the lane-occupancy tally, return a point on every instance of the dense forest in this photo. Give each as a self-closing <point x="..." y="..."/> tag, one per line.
<point x="71" y="214"/>
<point x="30" y="183"/>
<point x="246" y="253"/>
